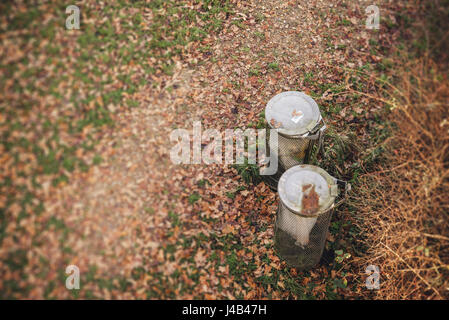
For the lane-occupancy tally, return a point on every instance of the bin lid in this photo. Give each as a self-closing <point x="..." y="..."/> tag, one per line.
<point x="307" y="190"/>
<point x="292" y="113"/>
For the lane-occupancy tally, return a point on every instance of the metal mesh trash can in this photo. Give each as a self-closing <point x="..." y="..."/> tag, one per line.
<point x="298" y="122"/>
<point x="307" y="198"/>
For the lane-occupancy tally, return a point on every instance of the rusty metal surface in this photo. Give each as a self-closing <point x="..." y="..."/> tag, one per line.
<point x="310" y="200"/>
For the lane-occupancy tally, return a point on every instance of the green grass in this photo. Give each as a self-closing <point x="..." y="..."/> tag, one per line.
<point x="273" y="66"/>
<point x="254" y="71"/>
<point x="91" y="69"/>
<point x="194" y="197"/>
<point x="344" y="22"/>
<point x="259" y="35"/>
<point x="248" y="172"/>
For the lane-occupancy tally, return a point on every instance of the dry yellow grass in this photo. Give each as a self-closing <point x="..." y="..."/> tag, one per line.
<point x="404" y="205"/>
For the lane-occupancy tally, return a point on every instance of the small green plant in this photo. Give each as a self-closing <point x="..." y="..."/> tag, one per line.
<point x="340" y="283"/>
<point x="149" y="210"/>
<point x="341" y="256"/>
<point x="273" y="66"/>
<point x="97" y="159"/>
<point x="260" y="123"/>
<point x="230" y="195"/>
<point x="259" y="35"/>
<point x="260" y="17"/>
<point x="254" y="71"/>
<point x="194" y="197"/>
<point x="345" y="22"/>
<point x="248" y="172"/>
<point x="239" y="24"/>
<point x="174" y="218"/>
<point x="202" y="182"/>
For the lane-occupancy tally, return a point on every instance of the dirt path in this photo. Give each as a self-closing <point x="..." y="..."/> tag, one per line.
<point x="189" y="231"/>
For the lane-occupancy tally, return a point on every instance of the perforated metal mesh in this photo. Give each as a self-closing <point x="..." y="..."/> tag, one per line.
<point x="297" y="119"/>
<point x="307" y="196"/>
<point x="291" y="152"/>
<point x="300" y="240"/>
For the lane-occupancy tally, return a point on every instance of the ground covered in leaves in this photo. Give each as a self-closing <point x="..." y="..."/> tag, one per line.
<point x="86" y="117"/>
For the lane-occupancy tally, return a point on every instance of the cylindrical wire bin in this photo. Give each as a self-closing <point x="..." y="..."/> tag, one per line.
<point x="298" y="122"/>
<point x="307" y="198"/>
